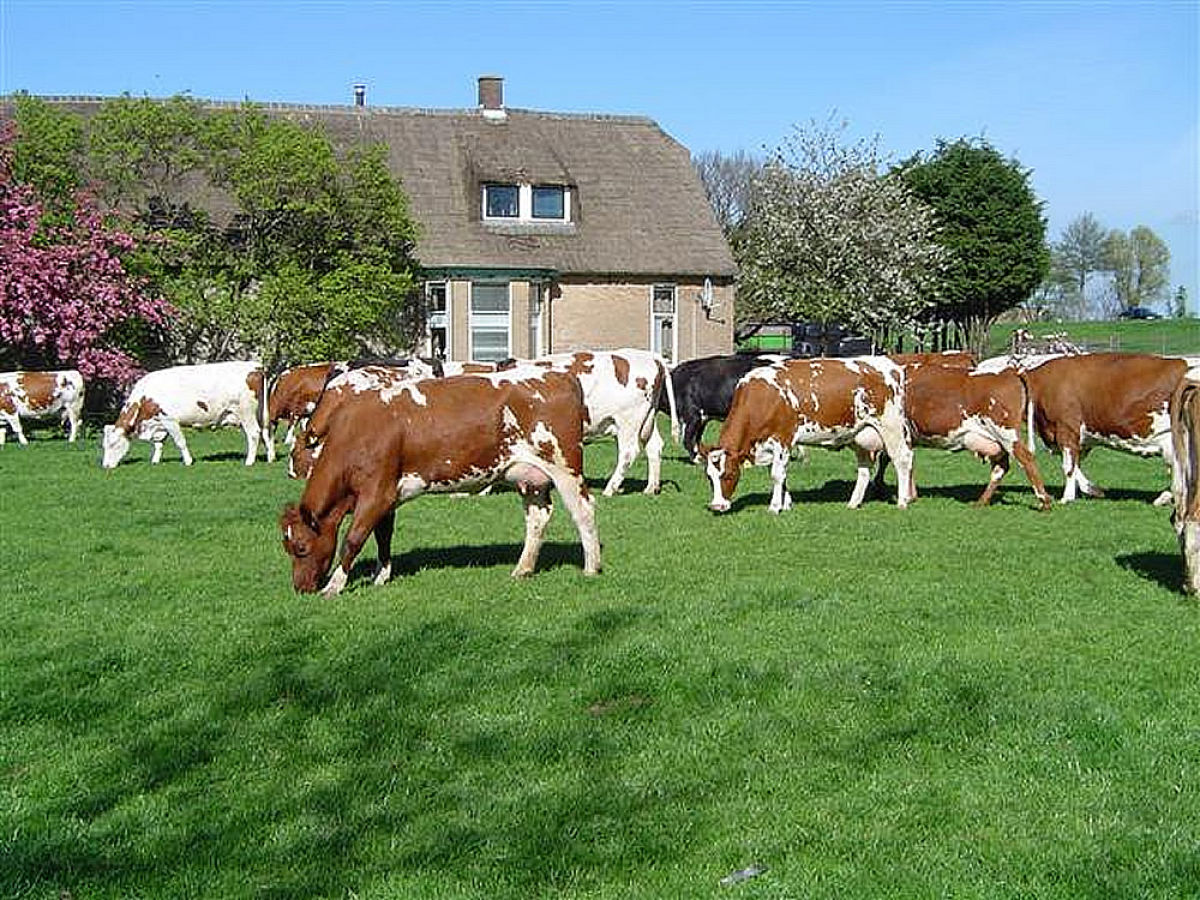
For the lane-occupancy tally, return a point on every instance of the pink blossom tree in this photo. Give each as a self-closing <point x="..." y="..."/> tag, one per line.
<point x="65" y="294"/>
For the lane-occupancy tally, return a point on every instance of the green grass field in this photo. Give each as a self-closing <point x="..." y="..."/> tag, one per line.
<point x="944" y="701"/>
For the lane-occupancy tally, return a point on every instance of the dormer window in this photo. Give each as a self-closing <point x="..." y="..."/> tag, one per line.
<point x="501" y="201"/>
<point x="526" y="202"/>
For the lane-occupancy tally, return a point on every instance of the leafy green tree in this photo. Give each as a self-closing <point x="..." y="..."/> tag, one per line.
<point x="830" y="238"/>
<point x="1138" y="263"/>
<point x="144" y="151"/>
<point x="1179" y="306"/>
<point x="992" y="224"/>
<point x="47" y="154"/>
<point x="1076" y="259"/>
<point x="264" y="238"/>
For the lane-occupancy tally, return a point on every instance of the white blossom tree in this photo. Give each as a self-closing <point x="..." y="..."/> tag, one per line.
<point x="833" y="238"/>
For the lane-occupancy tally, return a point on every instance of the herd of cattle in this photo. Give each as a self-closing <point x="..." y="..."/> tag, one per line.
<point x="367" y="436"/>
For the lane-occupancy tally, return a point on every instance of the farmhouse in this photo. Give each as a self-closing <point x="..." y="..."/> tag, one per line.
<point x="547" y="232"/>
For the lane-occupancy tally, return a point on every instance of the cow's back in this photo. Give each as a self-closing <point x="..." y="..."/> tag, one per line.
<point x="1114" y="394"/>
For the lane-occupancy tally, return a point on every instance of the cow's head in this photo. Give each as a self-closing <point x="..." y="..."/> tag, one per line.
<point x="310" y="547"/>
<point x="114" y="445"/>
<point x="723" y="469"/>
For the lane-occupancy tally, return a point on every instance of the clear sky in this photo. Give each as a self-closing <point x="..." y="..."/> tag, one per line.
<point x="1100" y="100"/>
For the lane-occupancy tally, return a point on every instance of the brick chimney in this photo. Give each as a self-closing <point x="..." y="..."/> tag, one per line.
<point x="491" y="96"/>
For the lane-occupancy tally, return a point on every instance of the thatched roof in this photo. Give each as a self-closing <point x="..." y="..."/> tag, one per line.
<point x="638" y="207"/>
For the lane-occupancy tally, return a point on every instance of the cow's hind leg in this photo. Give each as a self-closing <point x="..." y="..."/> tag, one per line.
<point x="538" y="509"/>
<point x="781" y="500"/>
<point x="1025" y="459"/>
<point x="627" y="450"/>
<point x="654" y="448"/>
<point x="582" y="507"/>
<point x="383" y="543"/>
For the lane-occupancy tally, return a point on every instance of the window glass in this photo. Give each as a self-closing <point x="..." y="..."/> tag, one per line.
<point x="664" y="299"/>
<point x="502" y="201"/>
<point x="549" y="203"/>
<point x="489" y="298"/>
<point x="489" y="344"/>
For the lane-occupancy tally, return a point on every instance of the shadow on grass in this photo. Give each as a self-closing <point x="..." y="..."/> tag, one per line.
<point x="1165" y="569"/>
<point x="304" y="765"/>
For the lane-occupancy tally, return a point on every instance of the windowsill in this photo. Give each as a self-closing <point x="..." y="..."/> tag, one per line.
<point x="528" y="226"/>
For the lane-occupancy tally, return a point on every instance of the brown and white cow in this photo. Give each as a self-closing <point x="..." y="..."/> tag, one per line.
<point x="380" y="448"/>
<point x="346" y="382"/>
<point x="36" y="395"/>
<point x="622" y="389"/>
<point x="1185" y="474"/>
<point x="1117" y="400"/>
<point x="955" y="409"/>
<point x="164" y="402"/>
<point x="824" y="402"/>
<point x="294" y="396"/>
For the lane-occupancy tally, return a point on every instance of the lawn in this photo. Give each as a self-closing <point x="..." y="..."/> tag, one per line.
<point x="943" y="701"/>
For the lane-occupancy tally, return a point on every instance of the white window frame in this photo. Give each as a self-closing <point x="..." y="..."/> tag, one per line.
<point x="490" y="321"/>
<point x="525" y="203"/>
<point x="657" y="318"/>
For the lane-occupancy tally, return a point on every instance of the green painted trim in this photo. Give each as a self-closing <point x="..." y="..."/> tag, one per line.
<point x="489" y="273"/>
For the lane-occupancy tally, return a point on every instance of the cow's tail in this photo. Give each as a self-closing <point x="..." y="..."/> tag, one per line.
<point x="669" y="387"/>
<point x="1030" y="428"/>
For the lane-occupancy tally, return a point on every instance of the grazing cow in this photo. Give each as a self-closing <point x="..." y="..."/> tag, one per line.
<point x="35" y="395"/>
<point x="1185" y="474"/>
<point x="294" y="396"/>
<point x="1118" y="400"/>
<point x="955" y="409"/>
<point x="162" y="403"/>
<point x="825" y="402"/>
<point x="621" y="389"/>
<point x="380" y="448"/>
<point x="350" y="379"/>
<point x="703" y="390"/>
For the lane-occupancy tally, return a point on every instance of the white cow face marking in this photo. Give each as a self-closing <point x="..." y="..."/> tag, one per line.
<point x="115" y="444"/>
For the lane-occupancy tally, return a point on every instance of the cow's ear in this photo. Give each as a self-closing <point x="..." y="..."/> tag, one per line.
<point x="704" y="449"/>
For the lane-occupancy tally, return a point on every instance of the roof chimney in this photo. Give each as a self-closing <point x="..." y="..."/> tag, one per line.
<point x="491" y="96"/>
<point x="360" y="94"/>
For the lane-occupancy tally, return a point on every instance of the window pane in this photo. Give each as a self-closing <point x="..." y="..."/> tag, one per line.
<point x="664" y="299"/>
<point x="436" y="293"/>
<point x="548" y="203"/>
<point x="503" y="201"/>
<point x="489" y="298"/>
<point x="488" y="344"/>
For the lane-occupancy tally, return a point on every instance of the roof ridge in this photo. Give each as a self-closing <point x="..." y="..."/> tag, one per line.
<point x="359" y="110"/>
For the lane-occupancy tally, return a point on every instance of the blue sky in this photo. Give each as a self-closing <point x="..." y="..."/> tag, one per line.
<point x="1099" y="99"/>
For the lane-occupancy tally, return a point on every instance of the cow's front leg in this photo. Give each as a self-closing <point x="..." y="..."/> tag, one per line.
<point x="367" y="515"/>
<point x="780" y="498"/>
<point x="172" y="428"/>
<point x="538" y="508"/>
